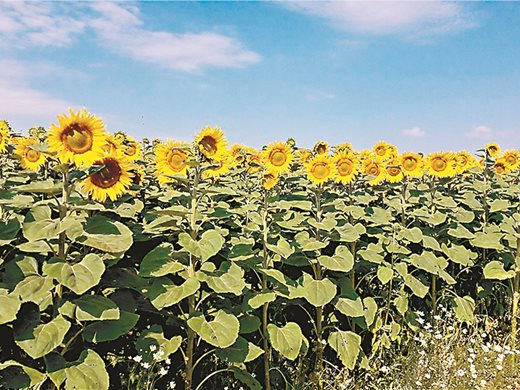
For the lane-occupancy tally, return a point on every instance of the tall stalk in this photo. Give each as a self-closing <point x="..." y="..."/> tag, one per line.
<point x="265" y="306"/>
<point x="318" y="367"/>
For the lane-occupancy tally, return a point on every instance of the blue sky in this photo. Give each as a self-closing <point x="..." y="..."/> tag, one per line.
<point x="426" y="76"/>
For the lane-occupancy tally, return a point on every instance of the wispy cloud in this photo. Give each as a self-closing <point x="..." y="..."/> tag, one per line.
<point x="389" y="17"/>
<point x="481" y="133"/>
<point x="415" y="132"/>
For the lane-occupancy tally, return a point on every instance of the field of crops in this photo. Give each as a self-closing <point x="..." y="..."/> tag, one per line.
<point x="165" y="264"/>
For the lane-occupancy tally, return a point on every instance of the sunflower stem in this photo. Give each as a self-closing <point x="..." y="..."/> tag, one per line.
<point x="318" y="366"/>
<point x="265" y="306"/>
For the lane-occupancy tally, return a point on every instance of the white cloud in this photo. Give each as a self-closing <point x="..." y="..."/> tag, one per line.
<point x="319" y="96"/>
<point x="415" y="132"/>
<point x="121" y="29"/>
<point x="389" y="17"/>
<point x="481" y="133"/>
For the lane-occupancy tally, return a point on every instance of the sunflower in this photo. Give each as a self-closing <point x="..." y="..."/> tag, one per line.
<point x="441" y="164"/>
<point x="344" y="147"/>
<point x="394" y="171"/>
<point x="111" y="181"/>
<point x="78" y="139"/>
<point x="345" y="166"/>
<point x="493" y="149"/>
<point x="254" y="161"/>
<point x="277" y="157"/>
<point x="269" y="180"/>
<point x="30" y="158"/>
<point x="500" y="166"/>
<point x="319" y="169"/>
<point x="138" y="173"/>
<point x="464" y="161"/>
<point x="384" y="151"/>
<point x="113" y="142"/>
<point x="411" y="164"/>
<point x="221" y="168"/>
<point x="238" y="154"/>
<point x="320" y="147"/>
<point x="170" y="159"/>
<point x="4" y="135"/>
<point x="374" y="167"/>
<point x="133" y="149"/>
<point x="212" y="144"/>
<point x="304" y="156"/>
<point x="512" y="159"/>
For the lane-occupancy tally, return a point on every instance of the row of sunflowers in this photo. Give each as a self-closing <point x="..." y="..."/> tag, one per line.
<point x="80" y="138"/>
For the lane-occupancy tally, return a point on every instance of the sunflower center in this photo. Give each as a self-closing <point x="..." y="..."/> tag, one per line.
<point x="177" y="160"/>
<point x="393" y="171"/>
<point x="492" y="150"/>
<point x="344" y="167"/>
<point x="373" y="170"/>
<point x="278" y="158"/>
<point x="78" y="139"/>
<point x="209" y="144"/>
<point x="109" y="175"/>
<point x="321" y="149"/>
<point x="439" y="165"/>
<point x="381" y="150"/>
<point x="500" y="169"/>
<point x="410" y="164"/>
<point x="131" y="150"/>
<point x="32" y="155"/>
<point x="511" y="159"/>
<point x="321" y="171"/>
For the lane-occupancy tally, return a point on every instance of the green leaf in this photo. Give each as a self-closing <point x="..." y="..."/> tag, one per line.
<point x="99" y="224"/>
<point x="348" y="233"/>
<point x="46" y="337"/>
<point x="495" y="270"/>
<point x="308" y="243"/>
<point x="249" y="324"/>
<point x="342" y="260"/>
<point x="370" y="310"/>
<point x="159" y="262"/>
<point x="209" y="244"/>
<point x="464" y="308"/>
<point x="221" y="332"/>
<point x="317" y="292"/>
<point x="10" y="305"/>
<point x="350" y="307"/>
<point x="282" y="248"/>
<point x="87" y="373"/>
<point x="35" y="288"/>
<point x="401" y="303"/>
<point x="287" y="340"/>
<point x="384" y="274"/>
<point x="498" y="205"/>
<point x="95" y="307"/>
<point x="9" y="231"/>
<point x="415" y="285"/>
<point x="347" y="345"/>
<point x="29" y="377"/>
<point x="459" y="254"/>
<point x="163" y="347"/>
<point x="79" y="277"/>
<point x="413" y="235"/>
<point x="427" y="261"/>
<point x="259" y="299"/>
<point x="108" y="330"/>
<point x="489" y="240"/>
<point x="111" y="243"/>
<point x="163" y="293"/>
<point x="228" y="279"/>
<point x="241" y="351"/>
<point x="460" y="232"/>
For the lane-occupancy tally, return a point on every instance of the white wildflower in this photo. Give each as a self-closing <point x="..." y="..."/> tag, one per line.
<point x="163" y="371"/>
<point x="461" y="372"/>
<point x="153" y="347"/>
<point x="137" y="358"/>
<point x="145" y="365"/>
<point x="499" y="367"/>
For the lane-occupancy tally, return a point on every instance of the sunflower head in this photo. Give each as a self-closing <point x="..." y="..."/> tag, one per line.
<point x="346" y="166"/>
<point x="500" y="166"/>
<point x="132" y="149"/>
<point x="212" y="144"/>
<point x="441" y="164"/>
<point x="113" y="142"/>
<point x="4" y="135"/>
<point x="321" y="147"/>
<point x="319" y="169"/>
<point x="277" y="157"/>
<point x="344" y="147"/>
<point x="221" y="168"/>
<point x="170" y="159"/>
<point x="493" y="149"/>
<point x="304" y="156"/>
<point x="269" y="180"/>
<point x="112" y="180"/>
<point x="138" y="174"/>
<point x="411" y="164"/>
<point x="79" y="138"/>
<point x="464" y="161"/>
<point x="394" y="172"/>
<point x="512" y="159"/>
<point x="375" y="169"/>
<point x="384" y="151"/>
<point x="254" y="161"/>
<point x="30" y="158"/>
<point x="238" y="153"/>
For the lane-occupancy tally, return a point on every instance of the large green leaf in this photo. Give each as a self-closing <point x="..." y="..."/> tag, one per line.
<point x="241" y="351"/>
<point x="160" y="262"/>
<point x="287" y="340"/>
<point x="221" y="332"/>
<point x="112" y="243"/>
<point x="28" y="377"/>
<point x="107" y="330"/>
<point x="351" y="307"/>
<point x="464" y="308"/>
<point x="35" y="288"/>
<point x="259" y="299"/>
<point x="317" y="292"/>
<point x="384" y="274"/>
<point x="489" y="240"/>
<point x="9" y="304"/>
<point x="228" y="279"/>
<point x="163" y="347"/>
<point x="87" y="373"/>
<point x="342" y="260"/>
<point x="79" y="277"/>
<point x="46" y="337"/>
<point x="95" y="307"/>
<point x="495" y="270"/>
<point x="347" y="345"/>
<point x="207" y="246"/>
<point x="163" y="293"/>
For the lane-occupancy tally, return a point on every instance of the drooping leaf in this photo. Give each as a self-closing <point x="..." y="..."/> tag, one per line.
<point x="221" y="332"/>
<point x="347" y="345"/>
<point x="287" y="340"/>
<point x="46" y="337"/>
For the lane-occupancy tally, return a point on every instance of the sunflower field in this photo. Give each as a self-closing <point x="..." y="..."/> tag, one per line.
<point x="200" y="265"/>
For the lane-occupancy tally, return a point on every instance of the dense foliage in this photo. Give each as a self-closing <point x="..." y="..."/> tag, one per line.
<point x="201" y="266"/>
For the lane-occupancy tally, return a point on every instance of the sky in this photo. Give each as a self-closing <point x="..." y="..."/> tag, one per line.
<point x="426" y="76"/>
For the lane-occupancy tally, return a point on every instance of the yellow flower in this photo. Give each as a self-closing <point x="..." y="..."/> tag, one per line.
<point x="138" y="173"/>
<point x="319" y="169"/>
<point x="501" y="167"/>
<point x="277" y="157"/>
<point x="212" y="144"/>
<point x="4" y="135"/>
<point x="221" y="168"/>
<point x="412" y="164"/>
<point x="493" y="149"/>
<point x="321" y="147"/>
<point x="304" y="156"/>
<point x="111" y="181"/>
<point x="344" y="147"/>
<point x="441" y="164"/>
<point x="394" y="173"/>
<point x="512" y="159"/>
<point x="254" y="161"/>
<point x="238" y="153"/>
<point x="133" y="149"/>
<point x="29" y="158"/>
<point x="269" y="180"/>
<point x="375" y="168"/>
<point x="79" y="138"/>
<point x="384" y="151"/>
<point x="113" y="142"/>
<point x="170" y="159"/>
<point x="345" y="166"/>
<point x="464" y="161"/>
